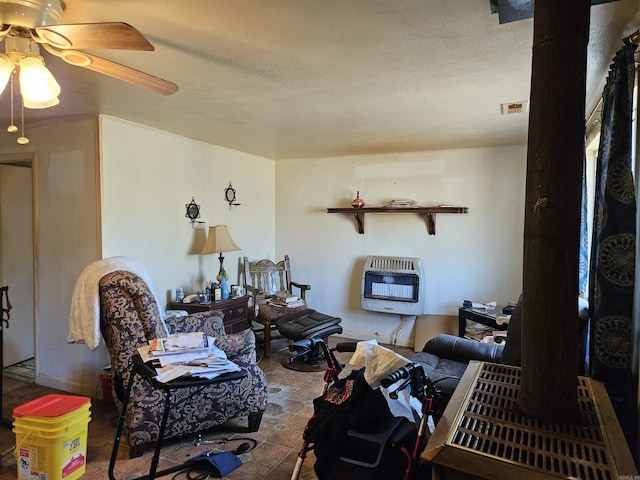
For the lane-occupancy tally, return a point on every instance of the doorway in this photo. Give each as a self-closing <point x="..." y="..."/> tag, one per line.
<point x="17" y="263"/>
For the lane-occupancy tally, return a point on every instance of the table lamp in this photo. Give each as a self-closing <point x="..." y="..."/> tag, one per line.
<point x="219" y="241"/>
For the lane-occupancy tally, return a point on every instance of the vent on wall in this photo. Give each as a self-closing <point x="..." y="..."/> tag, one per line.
<point x="393" y="285"/>
<point x="514" y="107"/>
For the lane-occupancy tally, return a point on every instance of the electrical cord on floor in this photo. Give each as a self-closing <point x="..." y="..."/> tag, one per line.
<point x="187" y="474"/>
<point x="248" y="445"/>
<point x="203" y="475"/>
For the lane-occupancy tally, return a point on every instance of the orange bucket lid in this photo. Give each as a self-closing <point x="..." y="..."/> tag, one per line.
<point x="53" y="405"/>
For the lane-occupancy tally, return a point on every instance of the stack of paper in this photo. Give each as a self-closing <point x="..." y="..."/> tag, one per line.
<point x="286" y="297"/>
<point x="290" y="302"/>
<point x="187" y="354"/>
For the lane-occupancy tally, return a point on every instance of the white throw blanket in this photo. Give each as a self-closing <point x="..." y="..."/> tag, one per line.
<point x="84" y="319"/>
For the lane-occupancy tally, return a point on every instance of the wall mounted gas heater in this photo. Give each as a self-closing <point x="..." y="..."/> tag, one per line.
<point x="393" y="285"/>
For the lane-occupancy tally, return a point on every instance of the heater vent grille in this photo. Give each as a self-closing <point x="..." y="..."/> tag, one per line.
<point x="491" y="426"/>
<point x="392" y="263"/>
<point x="393" y="285"/>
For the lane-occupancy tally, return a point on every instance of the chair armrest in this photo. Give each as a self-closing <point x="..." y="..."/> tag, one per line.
<point x="463" y="349"/>
<point x="303" y="288"/>
<point x="252" y="290"/>
<point x="255" y="293"/>
<point x="237" y="344"/>
<point x="209" y="322"/>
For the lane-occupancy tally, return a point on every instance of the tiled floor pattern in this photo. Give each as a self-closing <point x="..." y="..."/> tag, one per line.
<point x="278" y="439"/>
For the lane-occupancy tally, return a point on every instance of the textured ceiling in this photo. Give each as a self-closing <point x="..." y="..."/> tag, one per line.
<point x="303" y="78"/>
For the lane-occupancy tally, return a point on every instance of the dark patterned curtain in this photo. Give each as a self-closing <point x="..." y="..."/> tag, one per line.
<point x="583" y="273"/>
<point x="583" y="261"/>
<point x="613" y="248"/>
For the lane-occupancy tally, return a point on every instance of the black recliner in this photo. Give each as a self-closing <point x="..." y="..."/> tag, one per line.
<point x="445" y="357"/>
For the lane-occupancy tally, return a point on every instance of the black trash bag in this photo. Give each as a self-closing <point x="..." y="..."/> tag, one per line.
<point x="349" y="404"/>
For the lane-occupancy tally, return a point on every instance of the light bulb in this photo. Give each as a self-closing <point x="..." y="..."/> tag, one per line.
<point x="28" y="103"/>
<point x="6" y="67"/>
<point x="38" y="86"/>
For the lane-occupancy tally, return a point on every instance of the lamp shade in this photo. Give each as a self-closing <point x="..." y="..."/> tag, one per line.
<point x="49" y="103"/>
<point x="37" y="84"/>
<point x="6" y="67"/>
<point x="219" y="241"/>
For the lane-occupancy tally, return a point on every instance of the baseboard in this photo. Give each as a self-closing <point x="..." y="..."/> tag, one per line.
<point x="66" y="386"/>
<point x="384" y="339"/>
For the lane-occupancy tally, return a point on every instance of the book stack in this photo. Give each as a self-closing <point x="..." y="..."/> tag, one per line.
<point x="285" y="299"/>
<point x="186" y="354"/>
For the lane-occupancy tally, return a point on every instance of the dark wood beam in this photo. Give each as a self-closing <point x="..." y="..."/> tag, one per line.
<point x="552" y="210"/>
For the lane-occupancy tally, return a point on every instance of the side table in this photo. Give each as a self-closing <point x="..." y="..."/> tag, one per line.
<point x="235" y="310"/>
<point x="479" y="316"/>
<point x="148" y="373"/>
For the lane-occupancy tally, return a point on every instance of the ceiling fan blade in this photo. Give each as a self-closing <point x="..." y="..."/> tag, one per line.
<point x="115" y="70"/>
<point x="112" y="35"/>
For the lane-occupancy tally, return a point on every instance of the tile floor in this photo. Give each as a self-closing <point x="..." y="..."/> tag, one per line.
<point x="278" y="439"/>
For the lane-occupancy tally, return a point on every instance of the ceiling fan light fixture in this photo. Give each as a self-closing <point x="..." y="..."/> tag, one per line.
<point x="30" y="13"/>
<point x="37" y="84"/>
<point x="35" y="105"/>
<point x="76" y="58"/>
<point x="6" y="68"/>
<point x="54" y="38"/>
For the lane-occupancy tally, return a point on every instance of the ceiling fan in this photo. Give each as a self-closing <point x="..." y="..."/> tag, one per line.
<point x="27" y="24"/>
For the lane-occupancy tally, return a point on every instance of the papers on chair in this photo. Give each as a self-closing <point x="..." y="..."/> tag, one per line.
<point x="288" y="304"/>
<point x="180" y="343"/>
<point x="166" y="374"/>
<point x="193" y="355"/>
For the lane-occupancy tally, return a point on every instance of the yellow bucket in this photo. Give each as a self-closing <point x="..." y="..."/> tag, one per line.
<point x="51" y="437"/>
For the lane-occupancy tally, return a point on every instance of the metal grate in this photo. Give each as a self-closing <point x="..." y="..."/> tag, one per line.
<point x="397" y="287"/>
<point x="491" y="426"/>
<point x="393" y="285"/>
<point x="392" y="263"/>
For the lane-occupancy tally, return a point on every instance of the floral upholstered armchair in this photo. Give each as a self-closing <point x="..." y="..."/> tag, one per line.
<point x="129" y="318"/>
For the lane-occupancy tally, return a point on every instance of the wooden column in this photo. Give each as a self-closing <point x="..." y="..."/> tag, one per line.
<point x="552" y="210"/>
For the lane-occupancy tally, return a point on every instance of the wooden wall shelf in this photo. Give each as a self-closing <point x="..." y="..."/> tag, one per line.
<point x="429" y="213"/>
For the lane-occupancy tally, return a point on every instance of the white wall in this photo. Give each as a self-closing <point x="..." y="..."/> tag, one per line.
<point x="66" y="240"/>
<point x="475" y="256"/>
<point x="16" y="261"/>
<point x="148" y="178"/>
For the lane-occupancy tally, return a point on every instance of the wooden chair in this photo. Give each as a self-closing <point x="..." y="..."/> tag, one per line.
<point x="262" y="280"/>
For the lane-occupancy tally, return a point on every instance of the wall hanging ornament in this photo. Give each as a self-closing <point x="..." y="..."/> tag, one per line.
<point x="230" y="196"/>
<point x="193" y="213"/>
